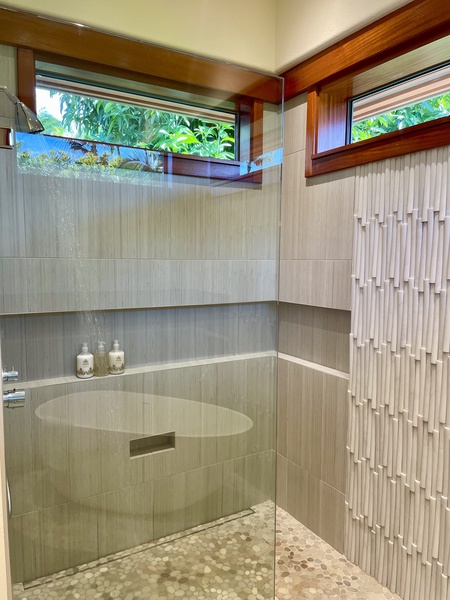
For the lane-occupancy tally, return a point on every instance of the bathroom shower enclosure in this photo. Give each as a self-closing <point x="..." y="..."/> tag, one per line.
<point x="126" y="484"/>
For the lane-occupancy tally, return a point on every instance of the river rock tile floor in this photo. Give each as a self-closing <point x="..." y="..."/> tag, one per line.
<point x="229" y="559"/>
<point x="308" y="568"/>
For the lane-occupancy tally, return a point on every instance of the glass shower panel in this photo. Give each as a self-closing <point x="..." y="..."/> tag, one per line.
<point x="158" y="483"/>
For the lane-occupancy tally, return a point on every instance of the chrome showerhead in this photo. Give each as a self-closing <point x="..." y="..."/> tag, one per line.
<point x="27" y="121"/>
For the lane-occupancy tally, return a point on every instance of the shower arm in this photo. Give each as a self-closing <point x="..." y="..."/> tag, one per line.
<point x="9" y="94"/>
<point x="24" y="114"/>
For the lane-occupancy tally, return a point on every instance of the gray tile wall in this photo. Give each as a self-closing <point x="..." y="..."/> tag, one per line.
<point x="72" y="244"/>
<point x="312" y="432"/>
<point x="45" y="346"/>
<point x="177" y="269"/>
<point x="77" y="243"/>
<point x="396" y="498"/>
<point x="319" y="335"/>
<point x="314" y="326"/>
<point x="77" y="491"/>
<point x="316" y="225"/>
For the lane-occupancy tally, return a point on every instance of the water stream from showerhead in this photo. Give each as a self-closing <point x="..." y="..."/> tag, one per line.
<point x="27" y="121"/>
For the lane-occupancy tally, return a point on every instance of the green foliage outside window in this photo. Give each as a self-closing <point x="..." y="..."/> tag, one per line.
<point x="400" y="118"/>
<point x="110" y="122"/>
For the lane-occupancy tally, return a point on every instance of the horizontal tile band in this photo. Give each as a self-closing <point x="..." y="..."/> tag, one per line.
<point x="313" y="365"/>
<point x="151" y="368"/>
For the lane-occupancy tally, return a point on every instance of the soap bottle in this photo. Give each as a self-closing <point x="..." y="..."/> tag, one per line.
<point x="85" y="363"/>
<point x="116" y="360"/>
<point x="101" y="367"/>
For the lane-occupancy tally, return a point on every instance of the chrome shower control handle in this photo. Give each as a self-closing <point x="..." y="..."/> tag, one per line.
<point x="14" y="398"/>
<point x="10" y="375"/>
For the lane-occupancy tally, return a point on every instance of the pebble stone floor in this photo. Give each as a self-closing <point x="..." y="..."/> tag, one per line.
<point x="228" y="559"/>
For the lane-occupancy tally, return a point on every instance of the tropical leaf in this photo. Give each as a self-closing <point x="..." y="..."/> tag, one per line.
<point x="94" y="119"/>
<point x="399" y="119"/>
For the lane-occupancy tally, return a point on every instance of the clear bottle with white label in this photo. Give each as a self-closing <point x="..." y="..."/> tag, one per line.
<point x="101" y="366"/>
<point x="85" y="363"/>
<point x="116" y="359"/>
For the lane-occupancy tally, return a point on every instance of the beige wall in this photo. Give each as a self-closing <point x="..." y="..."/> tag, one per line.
<point x="304" y="28"/>
<point x="239" y="31"/>
<point x="266" y="34"/>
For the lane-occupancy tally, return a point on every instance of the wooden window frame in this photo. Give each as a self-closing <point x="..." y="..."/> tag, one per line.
<point x="408" y="40"/>
<point x="51" y="40"/>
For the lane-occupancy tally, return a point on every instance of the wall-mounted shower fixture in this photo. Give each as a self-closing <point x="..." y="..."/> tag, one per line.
<point x="12" y="375"/>
<point x="27" y="121"/>
<point x="12" y="398"/>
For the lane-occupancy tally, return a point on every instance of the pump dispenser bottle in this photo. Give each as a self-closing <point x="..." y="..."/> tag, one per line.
<point x="85" y="363"/>
<point x="101" y="367"/>
<point x="116" y="359"/>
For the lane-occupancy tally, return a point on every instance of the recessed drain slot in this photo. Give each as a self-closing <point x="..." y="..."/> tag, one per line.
<point x="152" y="444"/>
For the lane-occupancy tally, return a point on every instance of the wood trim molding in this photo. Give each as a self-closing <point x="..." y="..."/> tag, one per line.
<point x="26" y="77"/>
<point x="199" y="166"/>
<point x="410" y="39"/>
<point x="256" y="131"/>
<point x="411" y="26"/>
<point x="6" y="137"/>
<point x="156" y="63"/>
<point x="312" y="111"/>
<point x="39" y="38"/>
<point x="425" y="136"/>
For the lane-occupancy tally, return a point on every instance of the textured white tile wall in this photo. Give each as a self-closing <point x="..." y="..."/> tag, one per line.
<point x="398" y="517"/>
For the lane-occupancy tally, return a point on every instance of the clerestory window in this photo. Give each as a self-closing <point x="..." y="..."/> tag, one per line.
<point x="420" y="98"/>
<point x="155" y="109"/>
<point x="72" y="109"/>
<point x="411" y="40"/>
<point x="108" y="125"/>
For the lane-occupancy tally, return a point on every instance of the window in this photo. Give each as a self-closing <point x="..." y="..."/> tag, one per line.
<point x="106" y="125"/>
<point x="421" y="98"/>
<point x="171" y="75"/>
<point x="87" y="112"/>
<point x="415" y="38"/>
<point x="108" y="132"/>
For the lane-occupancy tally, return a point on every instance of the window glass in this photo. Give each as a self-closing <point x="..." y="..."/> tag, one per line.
<point x="62" y="157"/>
<point x="127" y="119"/>
<point x="421" y="98"/>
